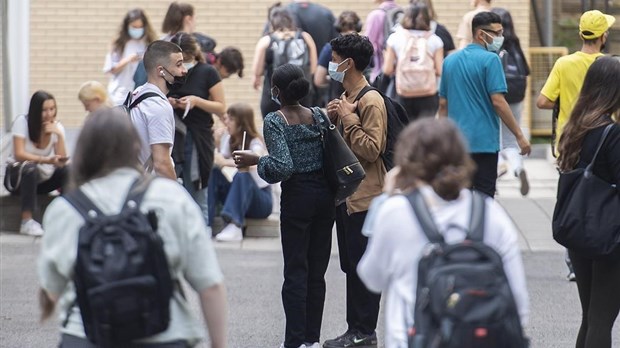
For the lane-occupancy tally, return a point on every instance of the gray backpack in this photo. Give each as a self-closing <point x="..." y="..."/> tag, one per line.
<point x="293" y="51"/>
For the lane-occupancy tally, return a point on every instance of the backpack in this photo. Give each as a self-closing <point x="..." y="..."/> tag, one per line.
<point x="516" y="75"/>
<point x="415" y="69"/>
<point x="463" y="297"/>
<point x="292" y="51"/>
<point x="122" y="280"/>
<point x="129" y="104"/>
<point x="393" y="17"/>
<point x="397" y="120"/>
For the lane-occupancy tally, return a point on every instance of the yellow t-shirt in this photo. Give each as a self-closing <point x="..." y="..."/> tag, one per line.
<point x="565" y="81"/>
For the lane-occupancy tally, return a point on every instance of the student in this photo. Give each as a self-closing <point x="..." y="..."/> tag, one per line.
<point x="471" y="93"/>
<point x="282" y="27"/>
<point x="179" y="18"/>
<point x="416" y="25"/>
<point x="93" y="95"/>
<point x="293" y="137"/>
<point x="364" y="125"/>
<point x="375" y="23"/>
<point x="154" y="117"/>
<point x="437" y="28"/>
<point x="247" y="195"/>
<point x="229" y="62"/>
<point x="127" y="50"/>
<point x="464" y="32"/>
<point x="37" y="162"/>
<point x="194" y="103"/>
<point x="516" y="71"/>
<point x="104" y="174"/>
<point x="431" y="157"/>
<point x="598" y="281"/>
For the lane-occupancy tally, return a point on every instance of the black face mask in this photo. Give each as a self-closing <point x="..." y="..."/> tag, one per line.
<point x="177" y="83"/>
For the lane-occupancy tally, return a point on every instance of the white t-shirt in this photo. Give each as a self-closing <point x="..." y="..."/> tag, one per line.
<point x="398" y="40"/>
<point x="153" y="119"/>
<point x="122" y="83"/>
<point x="256" y="145"/>
<point x="188" y="247"/>
<point x="393" y="253"/>
<point x="20" y="130"/>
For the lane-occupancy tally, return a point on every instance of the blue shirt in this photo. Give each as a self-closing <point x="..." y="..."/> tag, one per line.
<point x="325" y="56"/>
<point x="470" y="76"/>
<point x="292" y="149"/>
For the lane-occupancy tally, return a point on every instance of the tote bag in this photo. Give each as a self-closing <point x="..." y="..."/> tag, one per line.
<point x="585" y="219"/>
<point x="342" y="169"/>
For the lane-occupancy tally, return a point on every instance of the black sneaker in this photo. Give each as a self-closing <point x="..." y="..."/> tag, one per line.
<point x="352" y="338"/>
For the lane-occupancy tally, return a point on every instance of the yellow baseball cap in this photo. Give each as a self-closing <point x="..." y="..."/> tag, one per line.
<point x="594" y="23"/>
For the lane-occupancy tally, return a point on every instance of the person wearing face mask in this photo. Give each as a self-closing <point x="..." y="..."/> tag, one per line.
<point x="153" y="116"/>
<point x="127" y="49"/>
<point x="194" y="104"/>
<point x="472" y="92"/>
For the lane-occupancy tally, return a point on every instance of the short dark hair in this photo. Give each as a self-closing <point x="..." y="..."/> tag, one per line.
<point x="122" y="145"/>
<point x="354" y="46"/>
<point x="484" y="19"/>
<point x="158" y="53"/>
<point x="291" y="82"/>
<point x="280" y="18"/>
<point x="231" y="59"/>
<point x="35" y="114"/>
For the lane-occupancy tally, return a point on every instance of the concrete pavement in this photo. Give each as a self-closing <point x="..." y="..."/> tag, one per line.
<point x="253" y="276"/>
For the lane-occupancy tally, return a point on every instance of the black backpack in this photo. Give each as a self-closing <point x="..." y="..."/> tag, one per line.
<point x="516" y="75"/>
<point x="122" y="280"/>
<point x="397" y="120"/>
<point x="129" y="104"/>
<point x="463" y="298"/>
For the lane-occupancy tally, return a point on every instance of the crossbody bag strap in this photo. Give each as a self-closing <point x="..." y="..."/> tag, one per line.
<point x="598" y="148"/>
<point x="424" y="217"/>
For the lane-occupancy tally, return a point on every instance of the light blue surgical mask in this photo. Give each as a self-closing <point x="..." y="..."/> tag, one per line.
<point x="189" y="65"/>
<point x="497" y="43"/>
<point x="334" y="74"/>
<point x="275" y="98"/>
<point x="135" y="33"/>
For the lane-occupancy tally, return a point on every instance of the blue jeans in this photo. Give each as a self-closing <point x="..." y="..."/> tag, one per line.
<point x="242" y="197"/>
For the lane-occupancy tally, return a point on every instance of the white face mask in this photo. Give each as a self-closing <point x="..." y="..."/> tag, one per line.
<point x="497" y="43"/>
<point x="334" y="74"/>
<point x="135" y="33"/>
<point x="189" y="65"/>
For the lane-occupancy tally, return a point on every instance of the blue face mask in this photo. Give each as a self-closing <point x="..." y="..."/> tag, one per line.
<point x="135" y="33"/>
<point x="334" y="74"/>
<point x="275" y="98"/>
<point x="497" y="43"/>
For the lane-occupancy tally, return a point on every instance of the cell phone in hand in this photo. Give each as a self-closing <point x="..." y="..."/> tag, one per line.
<point x="63" y="159"/>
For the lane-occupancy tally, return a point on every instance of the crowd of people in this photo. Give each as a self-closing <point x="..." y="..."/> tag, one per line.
<point x="463" y="103"/>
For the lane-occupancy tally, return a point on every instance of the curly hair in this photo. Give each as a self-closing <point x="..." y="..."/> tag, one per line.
<point x="354" y="46"/>
<point x="432" y="151"/>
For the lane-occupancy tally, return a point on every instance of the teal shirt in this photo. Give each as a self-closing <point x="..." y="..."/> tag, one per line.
<point x="292" y="149"/>
<point x="470" y="76"/>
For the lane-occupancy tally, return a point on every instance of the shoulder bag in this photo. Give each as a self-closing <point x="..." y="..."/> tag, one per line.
<point x="585" y="219"/>
<point x="342" y="169"/>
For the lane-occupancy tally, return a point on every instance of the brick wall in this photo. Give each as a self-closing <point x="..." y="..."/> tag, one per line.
<point x="69" y="38"/>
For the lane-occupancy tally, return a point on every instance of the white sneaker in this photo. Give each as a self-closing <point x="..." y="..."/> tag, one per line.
<point x="302" y="346"/>
<point x="31" y="228"/>
<point x="230" y="233"/>
<point x="312" y="345"/>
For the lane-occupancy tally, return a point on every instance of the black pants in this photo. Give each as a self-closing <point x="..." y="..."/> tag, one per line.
<point x="485" y="178"/>
<point x="420" y="107"/>
<point x="598" y="283"/>
<point x="307" y="218"/>
<point x="30" y="185"/>
<point x="362" y="305"/>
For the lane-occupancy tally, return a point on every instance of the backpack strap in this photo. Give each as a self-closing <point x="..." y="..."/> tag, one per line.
<point x="138" y="189"/>
<point x="140" y="99"/>
<point x="476" y="222"/>
<point x="423" y="214"/>
<point x="82" y="203"/>
<point x="365" y="90"/>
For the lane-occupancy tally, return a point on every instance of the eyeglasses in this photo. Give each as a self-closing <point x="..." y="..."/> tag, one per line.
<point x="496" y="32"/>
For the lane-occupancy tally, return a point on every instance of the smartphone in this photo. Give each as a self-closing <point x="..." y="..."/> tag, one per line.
<point x="63" y="159"/>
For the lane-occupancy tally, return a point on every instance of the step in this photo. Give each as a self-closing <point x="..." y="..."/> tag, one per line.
<point x="10" y="211"/>
<point x="269" y="227"/>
